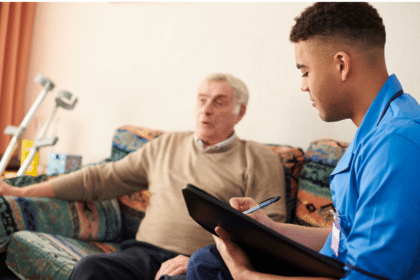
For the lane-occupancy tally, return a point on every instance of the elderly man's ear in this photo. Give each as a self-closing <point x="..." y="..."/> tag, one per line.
<point x="242" y="111"/>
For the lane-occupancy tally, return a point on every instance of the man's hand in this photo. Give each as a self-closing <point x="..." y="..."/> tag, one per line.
<point x="244" y="203"/>
<point x="172" y="267"/>
<point x="238" y="262"/>
<point x="233" y="256"/>
<point x="6" y="189"/>
<point x="43" y="189"/>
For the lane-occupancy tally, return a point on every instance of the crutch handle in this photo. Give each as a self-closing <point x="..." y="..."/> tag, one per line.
<point x="11" y="130"/>
<point x="45" y="82"/>
<point x="64" y="100"/>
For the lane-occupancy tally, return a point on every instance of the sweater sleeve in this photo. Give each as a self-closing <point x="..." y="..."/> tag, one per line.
<point x="107" y="180"/>
<point x="265" y="179"/>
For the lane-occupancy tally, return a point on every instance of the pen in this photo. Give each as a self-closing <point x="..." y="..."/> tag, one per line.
<point x="263" y="204"/>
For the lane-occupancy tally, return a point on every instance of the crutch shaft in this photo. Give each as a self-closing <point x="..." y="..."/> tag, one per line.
<point x="33" y="109"/>
<point x="10" y="149"/>
<point x="35" y="148"/>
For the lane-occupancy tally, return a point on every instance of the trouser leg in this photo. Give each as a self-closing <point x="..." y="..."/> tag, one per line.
<point x="207" y="263"/>
<point x="136" y="260"/>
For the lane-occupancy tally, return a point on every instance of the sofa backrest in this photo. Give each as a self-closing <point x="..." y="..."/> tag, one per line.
<point x="314" y="200"/>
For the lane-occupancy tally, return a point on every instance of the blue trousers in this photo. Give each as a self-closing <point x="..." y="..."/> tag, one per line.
<point x="207" y="263"/>
<point x="136" y="260"/>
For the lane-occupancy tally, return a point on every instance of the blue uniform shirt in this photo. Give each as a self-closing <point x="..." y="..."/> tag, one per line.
<point x="376" y="190"/>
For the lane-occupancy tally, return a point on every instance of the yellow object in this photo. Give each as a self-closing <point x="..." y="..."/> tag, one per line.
<point x="33" y="167"/>
<point x="8" y="174"/>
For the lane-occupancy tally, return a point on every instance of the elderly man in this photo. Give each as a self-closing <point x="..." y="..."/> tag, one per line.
<point x="213" y="158"/>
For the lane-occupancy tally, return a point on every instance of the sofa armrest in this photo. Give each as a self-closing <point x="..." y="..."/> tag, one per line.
<point x="97" y="220"/>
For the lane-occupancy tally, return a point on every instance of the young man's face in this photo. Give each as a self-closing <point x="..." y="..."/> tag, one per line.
<point x="321" y="79"/>
<point x="214" y="112"/>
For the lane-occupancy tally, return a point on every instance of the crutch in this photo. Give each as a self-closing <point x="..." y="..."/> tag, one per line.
<point x="18" y="131"/>
<point x="63" y="100"/>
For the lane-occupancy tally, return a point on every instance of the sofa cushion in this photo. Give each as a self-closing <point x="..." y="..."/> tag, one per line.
<point x="292" y="160"/>
<point x="34" y="255"/>
<point x="314" y="200"/>
<point x="98" y="220"/>
<point x="128" y="139"/>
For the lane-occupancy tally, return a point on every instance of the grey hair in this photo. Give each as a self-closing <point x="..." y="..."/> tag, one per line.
<point x="239" y="87"/>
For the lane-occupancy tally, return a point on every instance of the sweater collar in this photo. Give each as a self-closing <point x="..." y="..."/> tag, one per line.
<point x="219" y="147"/>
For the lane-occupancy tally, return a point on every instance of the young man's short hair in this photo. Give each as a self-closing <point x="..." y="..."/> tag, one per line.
<point x="354" y="22"/>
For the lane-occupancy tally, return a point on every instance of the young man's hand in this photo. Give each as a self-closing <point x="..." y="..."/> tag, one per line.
<point x="233" y="256"/>
<point x="244" y="203"/>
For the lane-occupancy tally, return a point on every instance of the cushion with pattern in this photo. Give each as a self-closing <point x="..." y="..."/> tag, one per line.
<point x="314" y="200"/>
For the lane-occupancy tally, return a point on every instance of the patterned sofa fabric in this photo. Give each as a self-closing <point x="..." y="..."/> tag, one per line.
<point x="292" y="159"/>
<point x="35" y="255"/>
<point x="45" y="237"/>
<point x="314" y="200"/>
<point x="99" y="220"/>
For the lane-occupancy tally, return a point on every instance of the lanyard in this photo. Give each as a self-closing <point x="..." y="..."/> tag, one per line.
<point x="399" y="93"/>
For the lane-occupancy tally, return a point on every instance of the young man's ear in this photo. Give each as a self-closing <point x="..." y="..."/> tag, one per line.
<point x="343" y="62"/>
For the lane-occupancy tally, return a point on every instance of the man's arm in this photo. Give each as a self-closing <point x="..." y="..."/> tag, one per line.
<point x="239" y="265"/>
<point x="43" y="189"/>
<point x="311" y="237"/>
<point x="238" y="262"/>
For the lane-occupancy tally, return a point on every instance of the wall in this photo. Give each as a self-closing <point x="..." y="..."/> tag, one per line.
<point x="141" y="63"/>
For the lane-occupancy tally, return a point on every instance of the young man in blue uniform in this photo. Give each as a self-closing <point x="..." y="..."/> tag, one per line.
<point x="339" y="49"/>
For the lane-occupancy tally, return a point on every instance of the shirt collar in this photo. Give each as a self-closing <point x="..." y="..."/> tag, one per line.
<point x="216" y="147"/>
<point x="370" y="120"/>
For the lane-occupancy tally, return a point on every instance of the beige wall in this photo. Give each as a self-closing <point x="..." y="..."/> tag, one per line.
<point x="141" y="63"/>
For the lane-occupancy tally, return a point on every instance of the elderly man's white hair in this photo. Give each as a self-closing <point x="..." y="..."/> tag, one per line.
<point x="239" y="87"/>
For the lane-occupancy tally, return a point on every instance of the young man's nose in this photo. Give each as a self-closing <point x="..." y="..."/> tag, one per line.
<point x="304" y="87"/>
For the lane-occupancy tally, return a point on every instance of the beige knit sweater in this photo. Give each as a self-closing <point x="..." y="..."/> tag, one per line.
<point x="164" y="166"/>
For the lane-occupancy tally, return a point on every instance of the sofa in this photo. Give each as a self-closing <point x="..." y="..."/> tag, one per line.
<point x="43" y="238"/>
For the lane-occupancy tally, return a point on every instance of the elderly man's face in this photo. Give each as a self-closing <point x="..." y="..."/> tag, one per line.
<point x="215" y="116"/>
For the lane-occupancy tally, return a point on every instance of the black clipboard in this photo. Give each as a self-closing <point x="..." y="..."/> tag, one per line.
<point x="268" y="251"/>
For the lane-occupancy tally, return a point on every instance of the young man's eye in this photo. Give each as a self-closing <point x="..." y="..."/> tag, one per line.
<point x="305" y="75"/>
